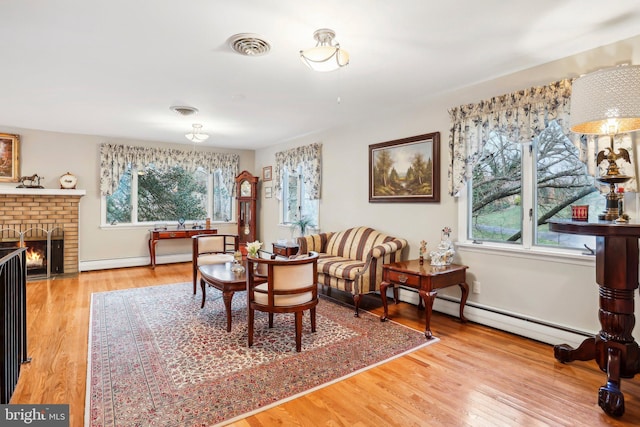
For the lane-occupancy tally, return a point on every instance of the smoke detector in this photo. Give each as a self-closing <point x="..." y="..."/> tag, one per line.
<point x="183" y="110"/>
<point x="248" y="44"/>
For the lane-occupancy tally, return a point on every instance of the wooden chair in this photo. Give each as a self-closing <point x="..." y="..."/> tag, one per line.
<point x="212" y="249"/>
<point x="290" y="288"/>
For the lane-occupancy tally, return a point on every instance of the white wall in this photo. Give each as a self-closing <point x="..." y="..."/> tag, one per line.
<point x="51" y="154"/>
<point x="555" y="291"/>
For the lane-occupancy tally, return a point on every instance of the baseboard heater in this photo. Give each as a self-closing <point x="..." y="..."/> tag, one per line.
<point x="517" y="324"/>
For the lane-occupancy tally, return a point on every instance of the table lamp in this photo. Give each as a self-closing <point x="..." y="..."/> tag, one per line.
<point x="607" y="102"/>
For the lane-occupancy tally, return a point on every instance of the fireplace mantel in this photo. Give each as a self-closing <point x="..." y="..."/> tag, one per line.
<point x="41" y="192"/>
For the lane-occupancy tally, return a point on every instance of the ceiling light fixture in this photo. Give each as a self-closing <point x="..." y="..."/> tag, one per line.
<point x="325" y="56"/>
<point x="196" y="134"/>
<point x="183" y="110"/>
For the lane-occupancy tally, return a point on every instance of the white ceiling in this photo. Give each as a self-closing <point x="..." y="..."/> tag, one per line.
<point x="113" y="68"/>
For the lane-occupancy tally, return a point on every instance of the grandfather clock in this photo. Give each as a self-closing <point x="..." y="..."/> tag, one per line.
<point x="246" y="194"/>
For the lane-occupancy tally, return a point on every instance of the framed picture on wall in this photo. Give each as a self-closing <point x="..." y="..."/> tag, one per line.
<point x="9" y="157"/>
<point x="405" y="170"/>
<point x="268" y="192"/>
<point x="266" y="173"/>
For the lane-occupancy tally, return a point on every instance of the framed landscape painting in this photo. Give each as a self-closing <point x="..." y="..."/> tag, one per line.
<point x="9" y="157"/>
<point x="405" y="170"/>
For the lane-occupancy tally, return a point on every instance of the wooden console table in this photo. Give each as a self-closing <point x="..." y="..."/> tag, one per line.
<point x="163" y="234"/>
<point x="614" y="348"/>
<point x="427" y="279"/>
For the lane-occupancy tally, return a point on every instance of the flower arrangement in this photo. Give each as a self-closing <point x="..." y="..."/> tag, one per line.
<point x="446" y="232"/>
<point x="253" y="247"/>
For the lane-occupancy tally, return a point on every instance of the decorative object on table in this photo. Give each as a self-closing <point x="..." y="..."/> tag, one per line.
<point x="180" y="223"/>
<point x="420" y="180"/>
<point x="622" y="216"/>
<point x="266" y="173"/>
<point x="237" y="266"/>
<point x="580" y="212"/>
<point x="68" y="181"/>
<point x="10" y="159"/>
<point x="253" y="248"/>
<point x="32" y="181"/>
<point x="444" y="254"/>
<point x="422" y="250"/>
<point x="208" y="223"/>
<point x="606" y="102"/>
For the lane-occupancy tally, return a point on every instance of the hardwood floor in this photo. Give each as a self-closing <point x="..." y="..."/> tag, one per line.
<point x="475" y="376"/>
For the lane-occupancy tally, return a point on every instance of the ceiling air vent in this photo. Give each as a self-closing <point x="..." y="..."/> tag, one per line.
<point x="249" y="44"/>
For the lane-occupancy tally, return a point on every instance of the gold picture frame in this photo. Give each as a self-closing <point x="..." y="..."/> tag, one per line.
<point x="9" y="157"/>
<point x="405" y="170"/>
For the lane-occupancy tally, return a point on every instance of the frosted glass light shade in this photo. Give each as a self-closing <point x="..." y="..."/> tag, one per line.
<point x="324" y="58"/>
<point x="606" y="102"/>
<point x="196" y="135"/>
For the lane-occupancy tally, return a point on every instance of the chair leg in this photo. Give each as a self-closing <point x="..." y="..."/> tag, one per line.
<point x="313" y="319"/>
<point x="298" y="331"/>
<point x="195" y="276"/>
<point x="250" y="326"/>
<point x="270" y="320"/>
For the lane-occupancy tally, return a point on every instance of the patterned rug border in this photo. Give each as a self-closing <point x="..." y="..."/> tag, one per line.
<point x="236" y="418"/>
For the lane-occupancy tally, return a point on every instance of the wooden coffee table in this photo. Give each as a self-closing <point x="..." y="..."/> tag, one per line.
<point x="222" y="278"/>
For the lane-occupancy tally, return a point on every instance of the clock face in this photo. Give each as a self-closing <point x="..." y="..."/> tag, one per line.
<point x="245" y="189"/>
<point x="68" y="181"/>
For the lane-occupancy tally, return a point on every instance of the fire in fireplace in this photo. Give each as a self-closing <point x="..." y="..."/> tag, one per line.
<point x="45" y="249"/>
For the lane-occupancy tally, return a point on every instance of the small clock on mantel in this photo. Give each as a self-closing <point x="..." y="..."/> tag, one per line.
<point x="68" y="181"/>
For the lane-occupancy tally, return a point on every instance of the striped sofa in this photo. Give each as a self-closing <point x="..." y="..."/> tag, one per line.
<point x="351" y="260"/>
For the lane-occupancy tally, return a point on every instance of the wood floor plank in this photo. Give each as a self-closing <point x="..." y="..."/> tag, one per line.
<point x="475" y="376"/>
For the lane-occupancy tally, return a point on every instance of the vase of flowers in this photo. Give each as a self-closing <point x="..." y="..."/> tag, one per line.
<point x="252" y="251"/>
<point x="253" y="248"/>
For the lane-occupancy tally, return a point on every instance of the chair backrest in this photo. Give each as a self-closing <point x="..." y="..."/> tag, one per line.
<point x="215" y="243"/>
<point x="290" y="281"/>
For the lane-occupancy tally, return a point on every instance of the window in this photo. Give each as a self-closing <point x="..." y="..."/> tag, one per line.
<point x="297" y="185"/>
<point x="521" y="166"/>
<point x="296" y="203"/>
<point x="501" y="210"/>
<point x="148" y="184"/>
<point x="151" y="195"/>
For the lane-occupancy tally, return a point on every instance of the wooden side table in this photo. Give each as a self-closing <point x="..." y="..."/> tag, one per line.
<point x="427" y="279"/>
<point x="156" y="235"/>
<point x="285" y="249"/>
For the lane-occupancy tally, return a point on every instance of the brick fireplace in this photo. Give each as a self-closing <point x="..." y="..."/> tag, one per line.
<point x="29" y="208"/>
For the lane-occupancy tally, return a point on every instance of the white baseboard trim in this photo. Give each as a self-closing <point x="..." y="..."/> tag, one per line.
<point x="105" y="264"/>
<point x="504" y="321"/>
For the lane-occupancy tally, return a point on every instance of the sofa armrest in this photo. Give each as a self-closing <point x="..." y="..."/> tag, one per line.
<point x="313" y="242"/>
<point x="383" y="249"/>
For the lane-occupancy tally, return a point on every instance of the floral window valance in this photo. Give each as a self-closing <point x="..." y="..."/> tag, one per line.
<point x="115" y="159"/>
<point x="309" y="157"/>
<point x="521" y="116"/>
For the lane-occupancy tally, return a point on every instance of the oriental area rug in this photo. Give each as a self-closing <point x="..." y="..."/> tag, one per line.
<point x="157" y="359"/>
